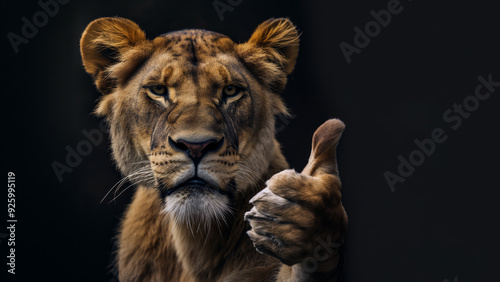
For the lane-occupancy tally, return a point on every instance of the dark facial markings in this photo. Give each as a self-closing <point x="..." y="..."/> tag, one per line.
<point x="194" y="58"/>
<point x="229" y="129"/>
<point x="160" y="130"/>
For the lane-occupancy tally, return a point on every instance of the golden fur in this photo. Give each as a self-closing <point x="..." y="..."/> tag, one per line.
<point x="191" y="116"/>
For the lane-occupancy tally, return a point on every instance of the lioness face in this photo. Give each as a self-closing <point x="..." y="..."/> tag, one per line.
<point x="191" y="112"/>
<point x="198" y="109"/>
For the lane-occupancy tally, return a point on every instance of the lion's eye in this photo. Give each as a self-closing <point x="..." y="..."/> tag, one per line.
<point x="231" y="91"/>
<point x="159" y="90"/>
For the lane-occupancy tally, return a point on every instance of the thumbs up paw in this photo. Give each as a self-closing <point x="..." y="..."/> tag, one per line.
<point x="299" y="217"/>
<point x="292" y="212"/>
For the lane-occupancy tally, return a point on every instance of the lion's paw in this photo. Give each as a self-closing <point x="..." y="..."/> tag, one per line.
<point x="293" y="212"/>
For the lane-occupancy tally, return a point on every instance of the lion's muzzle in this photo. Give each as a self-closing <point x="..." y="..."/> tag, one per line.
<point x="196" y="150"/>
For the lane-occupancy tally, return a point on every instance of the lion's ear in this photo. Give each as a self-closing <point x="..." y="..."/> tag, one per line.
<point x="102" y="43"/>
<point x="280" y="39"/>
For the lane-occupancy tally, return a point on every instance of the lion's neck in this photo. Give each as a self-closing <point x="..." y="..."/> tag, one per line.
<point x="205" y="253"/>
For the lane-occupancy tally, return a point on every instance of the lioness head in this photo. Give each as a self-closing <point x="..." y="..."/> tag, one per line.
<point x="191" y="113"/>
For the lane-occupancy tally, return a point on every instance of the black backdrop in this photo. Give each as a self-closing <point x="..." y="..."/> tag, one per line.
<point x="440" y="223"/>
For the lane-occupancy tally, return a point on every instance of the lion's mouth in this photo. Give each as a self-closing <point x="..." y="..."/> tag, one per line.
<point x="192" y="185"/>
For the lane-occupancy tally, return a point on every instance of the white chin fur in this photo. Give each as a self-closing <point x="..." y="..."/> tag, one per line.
<point x="197" y="210"/>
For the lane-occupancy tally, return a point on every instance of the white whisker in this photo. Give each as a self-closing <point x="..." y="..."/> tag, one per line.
<point x="142" y="174"/>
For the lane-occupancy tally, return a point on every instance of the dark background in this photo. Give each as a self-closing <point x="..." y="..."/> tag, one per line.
<point x="441" y="223"/>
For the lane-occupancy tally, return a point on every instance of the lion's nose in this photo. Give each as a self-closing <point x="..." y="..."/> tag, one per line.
<point x="196" y="150"/>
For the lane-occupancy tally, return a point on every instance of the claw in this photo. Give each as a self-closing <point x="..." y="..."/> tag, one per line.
<point x="267" y="195"/>
<point x="255" y="214"/>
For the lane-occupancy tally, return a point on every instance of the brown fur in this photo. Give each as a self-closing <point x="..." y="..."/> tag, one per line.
<point x="175" y="230"/>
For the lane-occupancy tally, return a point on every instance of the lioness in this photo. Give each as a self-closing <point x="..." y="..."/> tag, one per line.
<point x="192" y="124"/>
